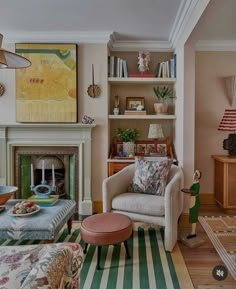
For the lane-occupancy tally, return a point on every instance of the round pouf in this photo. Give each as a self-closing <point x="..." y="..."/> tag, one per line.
<point x="106" y="229"/>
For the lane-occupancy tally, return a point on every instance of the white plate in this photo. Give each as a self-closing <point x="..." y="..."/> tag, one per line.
<point x="24" y="215"/>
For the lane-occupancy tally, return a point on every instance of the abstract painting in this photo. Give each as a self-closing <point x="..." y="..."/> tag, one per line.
<point x="47" y="90"/>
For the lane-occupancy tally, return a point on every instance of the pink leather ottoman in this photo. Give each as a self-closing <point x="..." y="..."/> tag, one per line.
<point x="106" y="229"/>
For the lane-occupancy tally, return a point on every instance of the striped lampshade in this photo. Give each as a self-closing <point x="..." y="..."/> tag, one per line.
<point x="228" y="121"/>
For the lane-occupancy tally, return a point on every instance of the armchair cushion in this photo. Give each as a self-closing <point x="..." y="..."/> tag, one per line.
<point x="150" y="176"/>
<point x="151" y="205"/>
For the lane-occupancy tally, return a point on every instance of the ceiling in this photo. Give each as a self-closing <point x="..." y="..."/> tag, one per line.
<point x="123" y="20"/>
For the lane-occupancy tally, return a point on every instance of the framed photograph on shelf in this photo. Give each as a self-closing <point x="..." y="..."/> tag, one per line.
<point x="47" y="90"/>
<point x="161" y="149"/>
<point x="141" y="148"/>
<point x="133" y="102"/>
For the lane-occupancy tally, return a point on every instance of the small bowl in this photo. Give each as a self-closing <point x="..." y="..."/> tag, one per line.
<point x="6" y="192"/>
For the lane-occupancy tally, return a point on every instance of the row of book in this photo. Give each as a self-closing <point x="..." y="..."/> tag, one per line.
<point x="117" y="67"/>
<point x="166" y="69"/>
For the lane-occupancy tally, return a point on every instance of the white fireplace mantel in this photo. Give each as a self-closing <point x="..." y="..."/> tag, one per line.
<point x="76" y="135"/>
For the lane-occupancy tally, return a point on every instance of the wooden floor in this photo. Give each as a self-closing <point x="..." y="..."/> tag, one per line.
<point x="200" y="261"/>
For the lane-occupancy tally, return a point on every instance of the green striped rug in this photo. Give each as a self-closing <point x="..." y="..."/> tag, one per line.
<point x="149" y="267"/>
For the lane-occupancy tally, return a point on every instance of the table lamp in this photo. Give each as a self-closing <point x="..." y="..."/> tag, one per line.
<point x="228" y="123"/>
<point x="155" y="132"/>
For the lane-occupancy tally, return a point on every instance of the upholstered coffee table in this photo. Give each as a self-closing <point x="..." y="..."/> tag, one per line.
<point x="106" y="229"/>
<point x="43" y="225"/>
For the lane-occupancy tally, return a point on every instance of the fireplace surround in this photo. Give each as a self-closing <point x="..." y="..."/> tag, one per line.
<point x="45" y="139"/>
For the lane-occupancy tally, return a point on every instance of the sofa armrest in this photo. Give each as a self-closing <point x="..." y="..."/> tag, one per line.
<point x="59" y="267"/>
<point x="115" y="185"/>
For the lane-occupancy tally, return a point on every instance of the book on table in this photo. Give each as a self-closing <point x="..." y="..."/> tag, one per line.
<point x="44" y="202"/>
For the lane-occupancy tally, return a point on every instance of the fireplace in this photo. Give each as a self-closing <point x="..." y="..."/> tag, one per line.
<point x="65" y="146"/>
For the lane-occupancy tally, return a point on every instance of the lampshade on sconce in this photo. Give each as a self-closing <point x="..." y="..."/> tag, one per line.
<point x="231" y="88"/>
<point x="228" y="123"/>
<point x="155" y="131"/>
<point x="11" y="60"/>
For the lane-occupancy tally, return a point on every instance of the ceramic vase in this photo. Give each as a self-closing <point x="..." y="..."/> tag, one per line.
<point x="128" y="147"/>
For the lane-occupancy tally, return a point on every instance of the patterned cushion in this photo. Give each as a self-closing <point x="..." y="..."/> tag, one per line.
<point x="151" y="176"/>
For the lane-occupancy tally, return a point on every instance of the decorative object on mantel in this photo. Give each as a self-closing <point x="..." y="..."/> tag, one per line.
<point x="87" y="119"/>
<point x="93" y="89"/>
<point x="47" y="91"/>
<point x="228" y="123"/>
<point x="9" y="59"/>
<point x="2" y="89"/>
<point x="231" y="89"/>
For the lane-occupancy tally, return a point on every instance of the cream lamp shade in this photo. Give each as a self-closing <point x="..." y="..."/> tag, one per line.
<point x="155" y="131"/>
<point x="11" y="60"/>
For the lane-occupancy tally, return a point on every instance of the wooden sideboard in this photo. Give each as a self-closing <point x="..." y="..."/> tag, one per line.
<point x="115" y="165"/>
<point x="225" y="181"/>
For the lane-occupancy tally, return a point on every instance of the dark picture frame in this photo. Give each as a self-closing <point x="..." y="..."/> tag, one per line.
<point x="133" y="102"/>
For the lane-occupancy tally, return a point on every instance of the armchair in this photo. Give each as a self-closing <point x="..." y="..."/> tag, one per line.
<point x="160" y="210"/>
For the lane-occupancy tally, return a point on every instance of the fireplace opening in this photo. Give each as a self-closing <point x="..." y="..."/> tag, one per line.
<point x="45" y="165"/>
<point x="52" y="165"/>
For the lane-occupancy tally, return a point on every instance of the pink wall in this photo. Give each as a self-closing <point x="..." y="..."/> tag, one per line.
<point x="210" y="102"/>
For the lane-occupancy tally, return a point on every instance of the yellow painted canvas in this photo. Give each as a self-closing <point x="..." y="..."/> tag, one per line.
<point x="47" y="90"/>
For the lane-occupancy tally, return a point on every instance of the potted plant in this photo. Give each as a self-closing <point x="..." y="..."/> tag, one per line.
<point x="128" y="136"/>
<point x="163" y="94"/>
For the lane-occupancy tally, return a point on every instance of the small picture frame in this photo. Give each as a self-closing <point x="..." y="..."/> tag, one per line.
<point x="141" y="148"/>
<point x="133" y="102"/>
<point x="161" y="149"/>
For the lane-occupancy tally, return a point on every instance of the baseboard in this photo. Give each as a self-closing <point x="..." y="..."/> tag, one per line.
<point x="207" y="199"/>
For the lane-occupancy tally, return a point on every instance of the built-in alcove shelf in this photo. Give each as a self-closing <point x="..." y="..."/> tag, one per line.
<point x="148" y="116"/>
<point x="141" y="80"/>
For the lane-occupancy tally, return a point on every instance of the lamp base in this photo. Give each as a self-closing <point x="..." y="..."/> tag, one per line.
<point x="230" y="144"/>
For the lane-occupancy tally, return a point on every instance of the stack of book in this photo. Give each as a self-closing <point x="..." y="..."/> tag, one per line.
<point x="135" y="112"/>
<point x="44" y="202"/>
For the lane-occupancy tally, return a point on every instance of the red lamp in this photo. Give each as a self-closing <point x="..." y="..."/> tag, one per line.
<point x="228" y="123"/>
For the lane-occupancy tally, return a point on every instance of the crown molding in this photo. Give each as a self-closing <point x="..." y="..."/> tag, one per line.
<point x="58" y="36"/>
<point x="118" y="45"/>
<point x="216" y="45"/>
<point x="187" y="16"/>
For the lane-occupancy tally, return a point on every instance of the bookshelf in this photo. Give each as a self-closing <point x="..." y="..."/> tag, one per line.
<point x="139" y="87"/>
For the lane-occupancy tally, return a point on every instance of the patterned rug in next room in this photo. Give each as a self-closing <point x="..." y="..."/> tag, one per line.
<point x="221" y="230"/>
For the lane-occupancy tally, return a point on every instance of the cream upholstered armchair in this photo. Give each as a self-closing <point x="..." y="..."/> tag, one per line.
<point x="160" y="210"/>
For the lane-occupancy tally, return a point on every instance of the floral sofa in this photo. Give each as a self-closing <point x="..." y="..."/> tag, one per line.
<point x="44" y="266"/>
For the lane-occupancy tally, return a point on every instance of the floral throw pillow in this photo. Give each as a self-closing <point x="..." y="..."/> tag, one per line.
<point x="150" y="177"/>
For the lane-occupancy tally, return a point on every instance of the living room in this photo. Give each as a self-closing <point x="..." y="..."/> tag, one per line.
<point x="200" y="90"/>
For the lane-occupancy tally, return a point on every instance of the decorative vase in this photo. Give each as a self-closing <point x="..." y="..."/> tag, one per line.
<point x="161" y="107"/>
<point x="128" y="148"/>
<point x="116" y="110"/>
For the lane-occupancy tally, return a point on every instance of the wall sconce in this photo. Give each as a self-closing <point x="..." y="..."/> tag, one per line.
<point x="2" y="89"/>
<point x="93" y="89"/>
<point x="228" y="123"/>
<point x="231" y="88"/>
